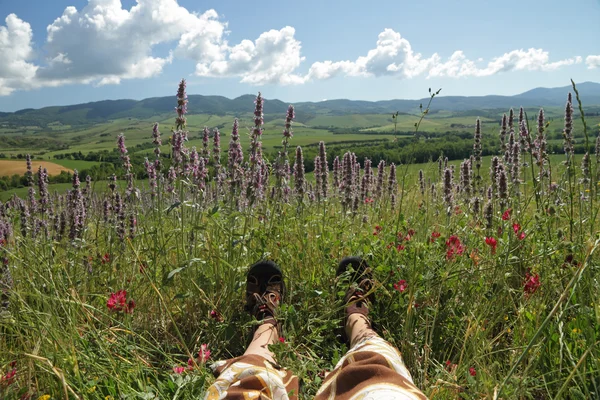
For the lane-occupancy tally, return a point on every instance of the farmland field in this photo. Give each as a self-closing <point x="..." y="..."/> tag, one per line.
<point x="11" y="167"/>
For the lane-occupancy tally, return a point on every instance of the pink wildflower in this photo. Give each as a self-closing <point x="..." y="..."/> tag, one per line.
<point x="204" y="353"/>
<point x="178" y="369"/>
<point x="472" y="371"/>
<point x="506" y="215"/>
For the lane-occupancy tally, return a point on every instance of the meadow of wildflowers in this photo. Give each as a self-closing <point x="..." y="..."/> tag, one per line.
<point x="488" y="280"/>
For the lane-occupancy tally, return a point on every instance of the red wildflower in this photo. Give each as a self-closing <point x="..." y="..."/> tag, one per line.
<point x="520" y="234"/>
<point x="457" y="210"/>
<point x="472" y="371"/>
<point x="506" y="215"/>
<point x="377" y="230"/>
<point x="9" y="378"/>
<point x="178" y="369"/>
<point x="434" y="236"/>
<point x="531" y="284"/>
<point x="281" y="339"/>
<point x="490" y="241"/>
<point x="368" y="200"/>
<point x="400" y="247"/>
<point x="453" y="247"/>
<point x="401" y="285"/>
<point x="118" y="302"/>
<point x="105" y="258"/>
<point x="448" y="363"/>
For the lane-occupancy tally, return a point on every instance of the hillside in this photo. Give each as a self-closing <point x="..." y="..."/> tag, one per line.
<point x="101" y="111"/>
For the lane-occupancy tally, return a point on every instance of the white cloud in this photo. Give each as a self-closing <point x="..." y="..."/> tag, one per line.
<point x="103" y="44"/>
<point x="106" y="43"/>
<point x="15" y="47"/>
<point x="272" y="58"/>
<point x="394" y="56"/>
<point x="593" y="61"/>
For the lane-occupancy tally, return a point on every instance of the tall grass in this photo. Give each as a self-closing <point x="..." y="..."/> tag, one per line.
<point x="513" y="317"/>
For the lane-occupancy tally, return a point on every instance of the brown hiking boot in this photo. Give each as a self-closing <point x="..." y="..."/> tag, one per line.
<point x="265" y="290"/>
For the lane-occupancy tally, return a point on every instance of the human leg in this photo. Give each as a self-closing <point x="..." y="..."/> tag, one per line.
<point x="372" y="368"/>
<point x="256" y="374"/>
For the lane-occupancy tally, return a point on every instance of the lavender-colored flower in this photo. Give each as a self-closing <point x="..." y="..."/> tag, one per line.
<point x="585" y="169"/>
<point x="324" y="171"/>
<point x="441" y="168"/>
<point x="287" y="131"/>
<point x="171" y="177"/>
<point x="364" y="191"/>
<point x="255" y="144"/>
<point x="476" y="202"/>
<point x="392" y="185"/>
<point x="503" y="132"/>
<point x="380" y="179"/>
<point x="494" y="172"/>
<point x="299" y="181"/>
<point x="368" y="173"/>
<point x="539" y="151"/>
<point x="317" y="175"/>
<point x="488" y="214"/>
<point x="336" y="174"/>
<point x="348" y="181"/>
<point x="76" y="182"/>
<point x="106" y="207"/>
<point x="181" y="108"/>
<point x="206" y="144"/>
<point x="477" y="149"/>
<point x="156" y="140"/>
<point x="29" y="172"/>
<point x="502" y="185"/>
<point x="466" y="175"/>
<point x="217" y="147"/>
<point x="43" y="189"/>
<point x="521" y="116"/>
<point x="568" y="131"/>
<point x="448" y="186"/>
<point x="112" y="183"/>
<point x="132" y="226"/>
<point x="235" y="158"/>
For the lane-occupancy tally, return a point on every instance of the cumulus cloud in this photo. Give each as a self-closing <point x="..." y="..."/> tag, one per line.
<point x="272" y="58"/>
<point x="593" y="61"/>
<point x="394" y="56"/>
<point x="103" y="44"/>
<point x="16" y="49"/>
<point x="106" y="43"/>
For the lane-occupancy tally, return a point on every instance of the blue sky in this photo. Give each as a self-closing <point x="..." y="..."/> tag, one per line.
<point x="62" y="52"/>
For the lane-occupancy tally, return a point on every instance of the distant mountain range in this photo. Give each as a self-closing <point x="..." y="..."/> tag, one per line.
<point x="81" y="114"/>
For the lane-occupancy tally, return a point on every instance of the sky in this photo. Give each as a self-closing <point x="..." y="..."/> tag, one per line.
<point x="61" y="52"/>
